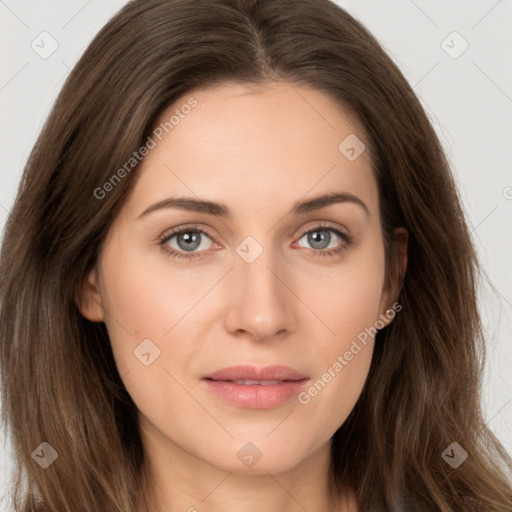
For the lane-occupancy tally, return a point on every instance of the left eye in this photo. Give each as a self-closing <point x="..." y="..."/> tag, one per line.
<point x="320" y="238"/>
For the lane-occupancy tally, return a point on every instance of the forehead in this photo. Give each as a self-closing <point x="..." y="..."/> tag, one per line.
<point x="254" y="143"/>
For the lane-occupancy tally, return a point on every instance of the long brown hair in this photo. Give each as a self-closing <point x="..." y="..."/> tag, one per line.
<point x="60" y="384"/>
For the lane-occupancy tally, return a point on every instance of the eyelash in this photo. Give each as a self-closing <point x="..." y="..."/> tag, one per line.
<point x="182" y="255"/>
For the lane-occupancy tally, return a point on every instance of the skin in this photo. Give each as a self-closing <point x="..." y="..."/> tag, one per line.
<point x="257" y="151"/>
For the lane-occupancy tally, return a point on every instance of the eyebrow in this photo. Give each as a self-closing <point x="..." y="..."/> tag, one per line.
<point x="221" y="210"/>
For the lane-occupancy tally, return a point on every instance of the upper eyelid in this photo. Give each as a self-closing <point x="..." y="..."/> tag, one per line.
<point x="167" y="235"/>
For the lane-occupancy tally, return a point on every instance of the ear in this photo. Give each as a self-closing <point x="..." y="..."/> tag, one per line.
<point x="89" y="299"/>
<point x="395" y="274"/>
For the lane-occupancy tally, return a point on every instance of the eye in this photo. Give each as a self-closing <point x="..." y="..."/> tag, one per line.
<point x="184" y="242"/>
<point x="320" y="239"/>
<point x="189" y="242"/>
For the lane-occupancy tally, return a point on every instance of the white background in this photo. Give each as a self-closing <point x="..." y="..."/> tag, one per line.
<point x="469" y="99"/>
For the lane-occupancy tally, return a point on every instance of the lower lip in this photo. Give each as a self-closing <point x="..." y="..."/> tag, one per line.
<point x="256" y="396"/>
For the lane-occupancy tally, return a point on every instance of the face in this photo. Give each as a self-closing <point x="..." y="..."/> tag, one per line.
<point x="261" y="277"/>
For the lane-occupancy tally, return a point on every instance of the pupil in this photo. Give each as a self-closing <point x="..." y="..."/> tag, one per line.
<point x="189" y="238"/>
<point x="317" y="239"/>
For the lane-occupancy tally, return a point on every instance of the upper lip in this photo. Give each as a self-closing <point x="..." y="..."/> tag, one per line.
<point x="256" y="373"/>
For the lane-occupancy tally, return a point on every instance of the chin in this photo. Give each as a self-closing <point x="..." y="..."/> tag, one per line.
<point x="249" y="459"/>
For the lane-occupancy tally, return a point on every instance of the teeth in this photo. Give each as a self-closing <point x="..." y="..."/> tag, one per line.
<point x="247" y="382"/>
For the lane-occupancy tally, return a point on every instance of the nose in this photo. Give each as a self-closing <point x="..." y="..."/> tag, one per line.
<point x="260" y="302"/>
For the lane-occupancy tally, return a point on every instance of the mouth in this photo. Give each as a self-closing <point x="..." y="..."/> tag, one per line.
<point x="251" y="387"/>
<point x="248" y="382"/>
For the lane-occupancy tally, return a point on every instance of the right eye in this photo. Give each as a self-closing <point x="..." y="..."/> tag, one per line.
<point x="183" y="242"/>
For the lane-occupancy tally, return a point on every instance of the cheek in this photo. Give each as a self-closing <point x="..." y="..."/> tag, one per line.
<point x="137" y="305"/>
<point x="149" y="293"/>
<point x="347" y="300"/>
<point x="152" y="311"/>
<point x="347" y="297"/>
<point x="339" y="377"/>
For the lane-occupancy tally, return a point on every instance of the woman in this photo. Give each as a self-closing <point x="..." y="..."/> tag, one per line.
<point x="237" y="275"/>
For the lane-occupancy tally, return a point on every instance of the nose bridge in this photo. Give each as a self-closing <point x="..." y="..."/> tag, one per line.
<point x="259" y="299"/>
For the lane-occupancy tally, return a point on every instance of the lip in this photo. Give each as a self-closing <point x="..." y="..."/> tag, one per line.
<point x="252" y="395"/>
